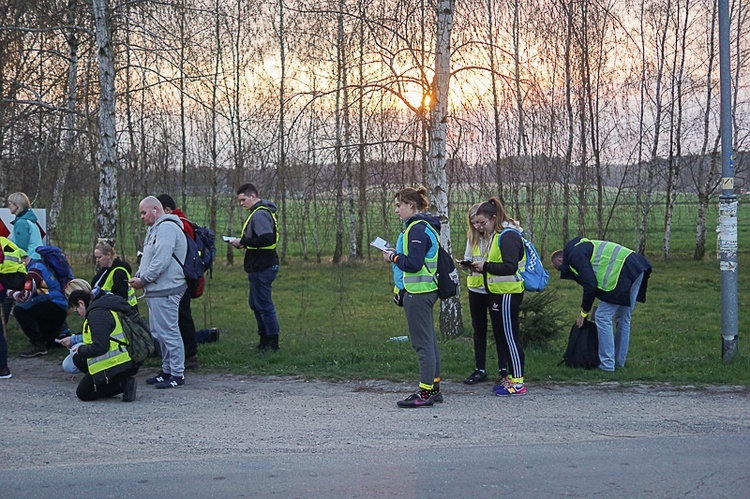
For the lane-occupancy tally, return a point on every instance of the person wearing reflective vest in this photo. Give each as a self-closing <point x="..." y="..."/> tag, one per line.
<point x="502" y="280"/>
<point x="477" y="249"/>
<point x="12" y="276"/>
<point x="414" y="264"/>
<point x="618" y="276"/>
<point x="106" y="364"/>
<point x="260" y="235"/>
<point x="113" y="274"/>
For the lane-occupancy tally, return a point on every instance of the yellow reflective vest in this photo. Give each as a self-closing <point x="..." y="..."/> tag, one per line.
<point x="503" y="284"/>
<point x="110" y="281"/>
<point x="116" y="354"/>
<point x="12" y="261"/>
<point x="275" y="223"/>
<point x="422" y="281"/>
<point x="607" y="260"/>
<point x="476" y="279"/>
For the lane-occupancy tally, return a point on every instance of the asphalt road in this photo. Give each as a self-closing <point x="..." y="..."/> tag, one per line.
<point x="235" y="436"/>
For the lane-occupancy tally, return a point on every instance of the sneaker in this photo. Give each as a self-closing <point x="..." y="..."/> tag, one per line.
<point x="162" y="376"/>
<point x="436" y="395"/>
<point x="415" y="400"/>
<point x="508" y="389"/>
<point x="33" y="351"/>
<point x="477" y="376"/>
<point x="129" y="387"/>
<point x="171" y="382"/>
<point x="5" y="373"/>
<point x="192" y="362"/>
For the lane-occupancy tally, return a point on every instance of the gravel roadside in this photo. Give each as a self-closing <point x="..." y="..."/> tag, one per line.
<point x="223" y="415"/>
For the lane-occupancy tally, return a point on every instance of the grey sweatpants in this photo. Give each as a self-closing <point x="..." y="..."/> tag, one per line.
<point x="418" y="309"/>
<point x="163" y="319"/>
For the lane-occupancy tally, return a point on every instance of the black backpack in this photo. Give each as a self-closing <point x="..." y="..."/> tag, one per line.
<point x="583" y="347"/>
<point x="446" y="276"/>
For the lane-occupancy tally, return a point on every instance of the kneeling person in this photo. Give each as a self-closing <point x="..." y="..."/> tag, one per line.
<point x="107" y="367"/>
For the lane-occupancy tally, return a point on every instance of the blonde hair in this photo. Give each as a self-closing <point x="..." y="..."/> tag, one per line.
<point x="473" y="234"/>
<point x="77" y="285"/>
<point x="106" y="246"/>
<point x="21" y="200"/>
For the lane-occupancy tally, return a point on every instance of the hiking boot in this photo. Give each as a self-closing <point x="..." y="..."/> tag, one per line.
<point x="420" y="398"/>
<point x="33" y="351"/>
<point x="510" y="389"/>
<point x="162" y="376"/>
<point x="129" y="386"/>
<point x="192" y="362"/>
<point x="262" y="344"/>
<point x="272" y="343"/>
<point x="478" y="376"/>
<point x="5" y="373"/>
<point x="171" y="382"/>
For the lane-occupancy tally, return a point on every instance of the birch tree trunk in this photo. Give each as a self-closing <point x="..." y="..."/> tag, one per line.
<point x="106" y="216"/>
<point x="451" y="324"/>
<point x="282" y="167"/>
<point x="70" y="121"/>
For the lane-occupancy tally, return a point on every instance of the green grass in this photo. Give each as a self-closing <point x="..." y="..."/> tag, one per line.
<point x="336" y="322"/>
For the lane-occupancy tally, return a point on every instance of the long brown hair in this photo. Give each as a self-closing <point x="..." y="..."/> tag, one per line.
<point x="494" y="208"/>
<point x="417" y="196"/>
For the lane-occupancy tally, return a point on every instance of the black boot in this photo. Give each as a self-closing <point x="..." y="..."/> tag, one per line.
<point x="273" y="343"/>
<point x="263" y="343"/>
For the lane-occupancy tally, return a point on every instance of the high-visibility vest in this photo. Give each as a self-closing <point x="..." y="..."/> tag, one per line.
<point x="503" y="284"/>
<point x="476" y="279"/>
<point x="607" y="260"/>
<point x="423" y="280"/>
<point x="116" y="354"/>
<point x="109" y="282"/>
<point x="275" y="224"/>
<point x="12" y="261"/>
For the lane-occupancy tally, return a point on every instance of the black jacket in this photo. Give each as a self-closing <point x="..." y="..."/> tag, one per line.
<point x="260" y="232"/>
<point x="579" y="257"/>
<point x="102" y="324"/>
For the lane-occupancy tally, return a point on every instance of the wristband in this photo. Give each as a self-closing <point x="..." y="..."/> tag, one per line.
<point x="584" y="314"/>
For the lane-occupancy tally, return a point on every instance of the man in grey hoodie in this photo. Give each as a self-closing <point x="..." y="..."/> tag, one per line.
<point x="160" y="275"/>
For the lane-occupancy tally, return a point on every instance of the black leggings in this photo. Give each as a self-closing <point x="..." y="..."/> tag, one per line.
<point x="479" y="304"/>
<point x="504" y="315"/>
<point x="88" y="390"/>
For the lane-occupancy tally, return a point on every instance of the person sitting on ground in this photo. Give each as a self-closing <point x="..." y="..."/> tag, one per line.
<point x="107" y="367"/>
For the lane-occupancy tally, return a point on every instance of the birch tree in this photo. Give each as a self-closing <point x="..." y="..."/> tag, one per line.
<point x="107" y="158"/>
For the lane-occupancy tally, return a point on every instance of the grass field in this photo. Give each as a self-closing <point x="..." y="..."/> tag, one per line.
<point x="336" y="322"/>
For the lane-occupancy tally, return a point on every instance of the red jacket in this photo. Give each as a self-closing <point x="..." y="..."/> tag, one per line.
<point x="185" y="223"/>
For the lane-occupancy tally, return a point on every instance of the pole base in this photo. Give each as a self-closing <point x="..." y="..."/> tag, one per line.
<point x="728" y="349"/>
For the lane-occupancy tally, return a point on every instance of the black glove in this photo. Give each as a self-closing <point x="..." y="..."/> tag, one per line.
<point x="398" y="298"/>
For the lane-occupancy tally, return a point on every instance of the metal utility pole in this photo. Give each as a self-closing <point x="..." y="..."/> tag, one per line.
<point x="727" y="200"/>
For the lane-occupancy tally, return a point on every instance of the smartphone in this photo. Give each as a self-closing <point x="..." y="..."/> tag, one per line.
<point x="465" y="263"/>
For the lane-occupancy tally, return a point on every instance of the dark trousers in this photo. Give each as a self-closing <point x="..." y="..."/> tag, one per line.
<point x="504" y="316"/>
<point x="479" y="304"/>
<point x="88" y="390"/>
<point x="3" y="343"/>
<point x="187" y="326"/>
<point x="42" y="322"/>
<point x="261" y="302"/>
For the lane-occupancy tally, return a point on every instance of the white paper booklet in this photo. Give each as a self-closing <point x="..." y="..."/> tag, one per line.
<point x="227" y="238"/>
<point x="381" y="244"/>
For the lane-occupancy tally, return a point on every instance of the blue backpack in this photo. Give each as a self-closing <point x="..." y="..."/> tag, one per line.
<point x="534" y="276"/>
<point x="192" y="267"/>
<point x="54" y="259"/>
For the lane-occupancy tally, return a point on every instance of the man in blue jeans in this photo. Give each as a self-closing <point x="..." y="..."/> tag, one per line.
<point x="260" y="236"/>
<point x="618" y="276"/>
